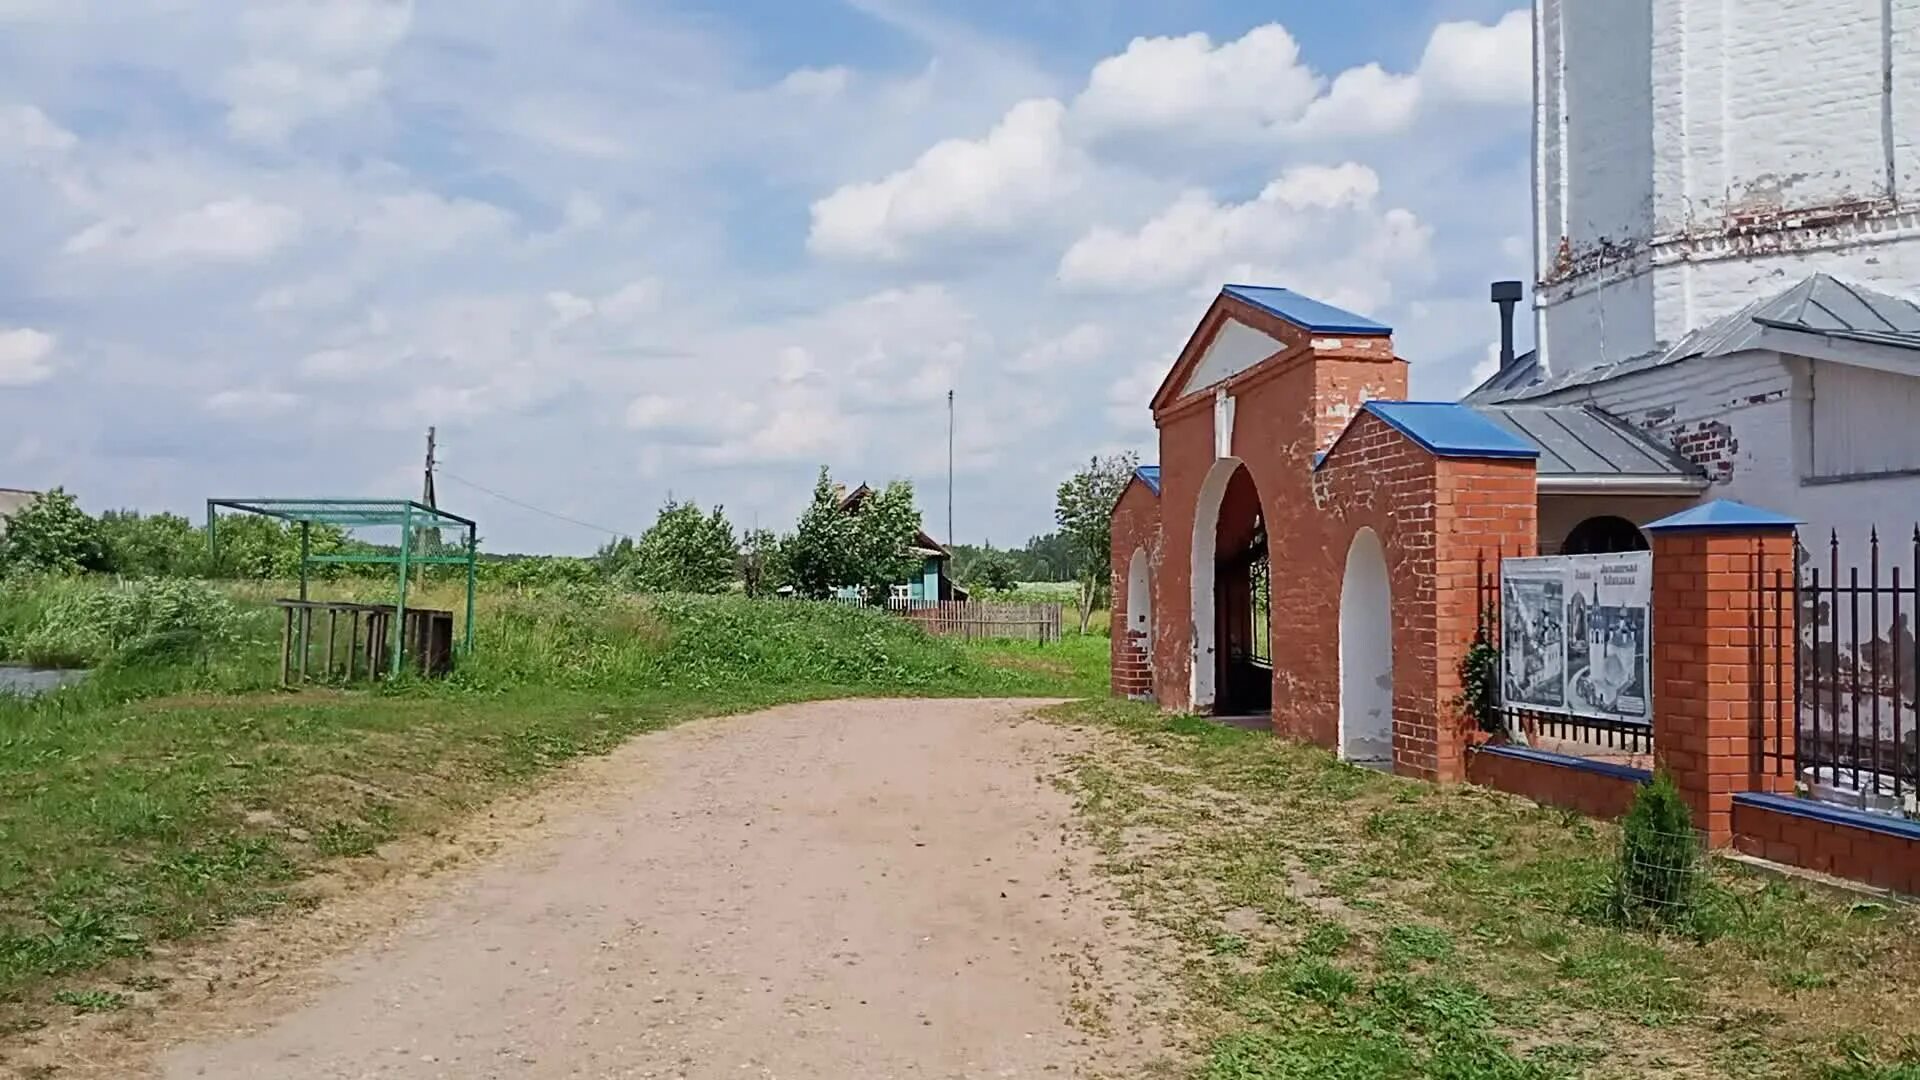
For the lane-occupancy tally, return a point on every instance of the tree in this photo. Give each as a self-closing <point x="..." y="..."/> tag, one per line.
<point x="760" y="565"/>
<point x="1083" y="507"/>
<point x="52" y="534"/>
<point x="686" y="551"/>
<point x="885" y="525"/>
<point x="615" y="558"/>
<point x="868" y="545"/>
<point x="157" y="545"/>
<point x="992" y="570"/>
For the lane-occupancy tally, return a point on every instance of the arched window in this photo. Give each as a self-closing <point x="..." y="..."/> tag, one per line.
<point x="1604" y="535"/>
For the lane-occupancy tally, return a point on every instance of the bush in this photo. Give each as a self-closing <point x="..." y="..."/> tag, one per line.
<point x="157" y="620"/>
<point x="52" y="535"/>
<point x="1658" y="879"/>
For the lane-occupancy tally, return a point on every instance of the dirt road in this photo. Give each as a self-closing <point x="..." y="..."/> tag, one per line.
<point x="841" y="890"/>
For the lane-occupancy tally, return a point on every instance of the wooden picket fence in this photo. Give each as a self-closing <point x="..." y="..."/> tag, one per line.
<point x="981" y="619"/>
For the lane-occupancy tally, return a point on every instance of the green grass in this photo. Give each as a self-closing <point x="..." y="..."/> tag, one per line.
<point x="1391" y="928"/>
<point x="153" y="803"/>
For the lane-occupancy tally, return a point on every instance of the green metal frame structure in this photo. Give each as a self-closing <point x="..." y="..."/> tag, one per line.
<point x="360" y="513"/>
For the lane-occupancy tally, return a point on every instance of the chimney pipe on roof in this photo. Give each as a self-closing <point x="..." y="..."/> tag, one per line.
<point x="1506" y="294"/>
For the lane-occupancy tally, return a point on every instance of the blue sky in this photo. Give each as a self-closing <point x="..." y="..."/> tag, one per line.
<point x="621" y="250"/>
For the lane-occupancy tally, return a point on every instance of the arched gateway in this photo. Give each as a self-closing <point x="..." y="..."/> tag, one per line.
<point x="1292" y="498"/>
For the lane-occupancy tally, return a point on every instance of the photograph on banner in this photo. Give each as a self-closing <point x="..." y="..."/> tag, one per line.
<point x="1533" y="657"/>
<point x="1609" y="654"/>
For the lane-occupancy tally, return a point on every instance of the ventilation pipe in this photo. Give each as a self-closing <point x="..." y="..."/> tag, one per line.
<point x="1506" y="294"/>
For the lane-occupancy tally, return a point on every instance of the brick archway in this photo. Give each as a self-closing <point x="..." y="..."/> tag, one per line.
<point x="1232" y="627"/>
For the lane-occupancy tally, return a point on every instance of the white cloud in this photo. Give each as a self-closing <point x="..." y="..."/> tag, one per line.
<point x="568" y="308"/>
<point x="417" y="222"/>
<point x="270" y="98"/>
<point x="309" y="60"/>
<point x="26" y="357"/>
<point x="1259" y="85"/>
<point x="1366" y="100"/>
<point x="1485" y="369"/>
<point x="816" y="82"/>
<point x="30" y="134"/>
<point x="975" y="186"/>
<point x="230" y="230"/>
<point x="1257" y="82"/>
<point x="567" y="125"/>
<point x="1310" y="214"/>
<point x="256" y="403"/>
<point x="1081" y="345"/>
<point x="343" y="365"/>
<point x="1473" y="62"/>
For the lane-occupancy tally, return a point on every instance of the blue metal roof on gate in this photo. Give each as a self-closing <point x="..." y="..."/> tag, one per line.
<point x="1150" y="476"/>
<point x="1304" y="311"/>
<point x="1449" y="429"/>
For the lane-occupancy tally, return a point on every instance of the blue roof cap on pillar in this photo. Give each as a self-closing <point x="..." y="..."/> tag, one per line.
<point x="1449" y="429"/>
<point x="1724" y="514"/>
<point x="1150" y="476"/>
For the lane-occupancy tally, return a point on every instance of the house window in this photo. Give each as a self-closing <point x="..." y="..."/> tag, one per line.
<point x="903" y="592"/>
<point x="1860" y="423"/>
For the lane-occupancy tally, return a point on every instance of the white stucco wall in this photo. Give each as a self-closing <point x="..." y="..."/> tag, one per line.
<point x="1747" y="415"/>
<point x="1694" y="155"/>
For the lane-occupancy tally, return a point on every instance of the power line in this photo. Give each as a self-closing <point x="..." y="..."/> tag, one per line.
<point x="482" y="488"/>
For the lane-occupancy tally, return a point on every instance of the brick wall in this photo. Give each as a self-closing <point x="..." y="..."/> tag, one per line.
<point x="1591" y="788"/>
<point x="1136" y="527"/>
<point x="1875" y="855"/>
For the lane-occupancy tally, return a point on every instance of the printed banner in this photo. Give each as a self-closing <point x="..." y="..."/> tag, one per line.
<point x="1575" y="635"/>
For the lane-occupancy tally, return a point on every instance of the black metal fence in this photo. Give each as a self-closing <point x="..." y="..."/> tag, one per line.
<point x="1584" y="734"/>
<point x="1853" y="696"/>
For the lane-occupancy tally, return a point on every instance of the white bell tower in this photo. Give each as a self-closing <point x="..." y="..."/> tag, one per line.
<point x="1691" y="156"/>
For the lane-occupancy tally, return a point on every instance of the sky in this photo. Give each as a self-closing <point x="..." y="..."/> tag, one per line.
<point x="618" y="251"/>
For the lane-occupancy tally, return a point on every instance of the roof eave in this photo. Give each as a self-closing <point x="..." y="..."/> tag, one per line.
<point x="1599" y="484"/>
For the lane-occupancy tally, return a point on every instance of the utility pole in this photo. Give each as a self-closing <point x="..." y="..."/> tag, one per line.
<point x="951" y="539"/>
<point x="426" y="490"/>
<point x="427" y="498"/>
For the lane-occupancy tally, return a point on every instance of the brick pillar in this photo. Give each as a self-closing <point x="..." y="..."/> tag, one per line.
<point x="1719" y="652"/>
<point x="1132" y="675"/>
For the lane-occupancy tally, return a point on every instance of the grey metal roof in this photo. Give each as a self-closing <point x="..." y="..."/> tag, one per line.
<point x="1522" y="373"/>
<point x="1821" y="305"/>
<point x="1583" y="441"/>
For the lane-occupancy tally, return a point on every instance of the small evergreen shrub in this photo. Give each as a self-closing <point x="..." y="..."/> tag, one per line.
<point x="1658" y="879"/>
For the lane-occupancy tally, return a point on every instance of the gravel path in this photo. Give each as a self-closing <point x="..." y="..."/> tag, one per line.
<point x="841" y="890"/>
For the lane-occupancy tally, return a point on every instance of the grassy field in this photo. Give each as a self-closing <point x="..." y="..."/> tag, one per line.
<point x="159" y="800"/>
<point x="1332" y="922"/>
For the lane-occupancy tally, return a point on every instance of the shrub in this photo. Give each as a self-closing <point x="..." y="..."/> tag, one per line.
<point x="1658" y="878"/>
<point x="161" y="619"/>
<point x="52" y="535"/>
<point x="686" y="551"/>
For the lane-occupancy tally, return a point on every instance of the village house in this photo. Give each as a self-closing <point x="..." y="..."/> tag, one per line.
<point x="12" y="501"/>
<point x="931" y="585"/>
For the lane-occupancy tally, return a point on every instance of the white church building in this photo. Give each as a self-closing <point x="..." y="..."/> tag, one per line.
<point x="1727" y="248"/>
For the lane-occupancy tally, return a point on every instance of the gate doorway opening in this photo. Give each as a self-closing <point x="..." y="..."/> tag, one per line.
<point x="1366" y="655"/>
<point x="1233" y="597"/>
